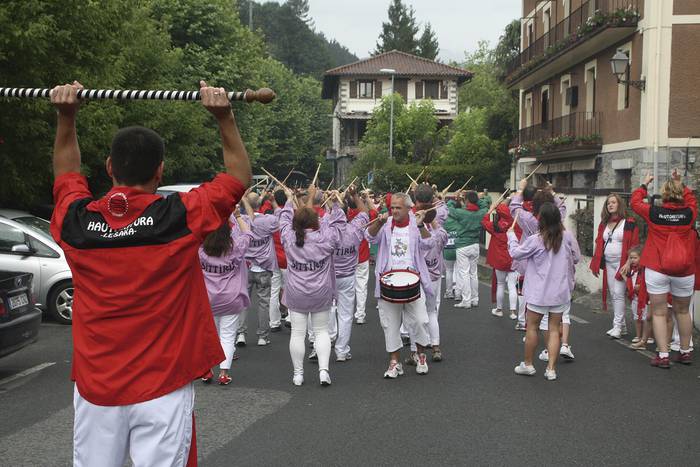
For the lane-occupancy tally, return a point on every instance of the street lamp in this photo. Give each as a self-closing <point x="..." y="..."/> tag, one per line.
<point x="391" y="115"/>
<point x="620" y="63"/>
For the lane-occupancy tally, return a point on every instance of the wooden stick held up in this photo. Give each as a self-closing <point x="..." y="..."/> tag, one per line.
<point x="465" y="185"/>
<point x="288" y="175"/>
<point x="533" y="172"/>
<point x="313" y="182"/>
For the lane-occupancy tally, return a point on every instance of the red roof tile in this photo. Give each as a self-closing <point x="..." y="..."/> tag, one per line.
<point x="403" y="63"/>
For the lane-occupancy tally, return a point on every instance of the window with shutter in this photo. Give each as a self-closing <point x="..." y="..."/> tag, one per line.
<point x="366" y="89"/>
<point x="353" y="89"/>
<point x="432" y="89"/>
<point x="419" y="89"/>
<point x="377" y="89"/>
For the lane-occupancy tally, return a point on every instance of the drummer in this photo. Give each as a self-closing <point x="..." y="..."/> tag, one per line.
<point x="403" y="241"/>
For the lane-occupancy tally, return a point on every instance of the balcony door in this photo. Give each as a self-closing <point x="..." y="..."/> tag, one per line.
<point x="545" y="108"/>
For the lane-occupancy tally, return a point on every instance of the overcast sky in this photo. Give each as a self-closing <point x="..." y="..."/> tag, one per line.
<point x="459" y="24"/>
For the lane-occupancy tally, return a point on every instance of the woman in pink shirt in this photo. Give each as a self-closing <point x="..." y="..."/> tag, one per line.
<point x="309" y="246"/>
<point x="222" y="256"/>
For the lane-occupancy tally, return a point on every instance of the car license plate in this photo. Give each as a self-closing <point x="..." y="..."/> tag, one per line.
<point x="18" y="301"/>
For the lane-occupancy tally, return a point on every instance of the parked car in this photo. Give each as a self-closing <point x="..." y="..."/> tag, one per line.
<point x="168" y="190"/>
<point x="19" y="318"/>
<point x="27" y="246"/>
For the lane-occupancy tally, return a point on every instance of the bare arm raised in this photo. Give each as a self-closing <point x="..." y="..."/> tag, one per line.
<point x="66" y="151"/>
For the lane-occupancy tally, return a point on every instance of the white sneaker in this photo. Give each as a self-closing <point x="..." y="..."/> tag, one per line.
<point x="609" y="331"/>
<point x="394" y="371"/>
<point x="513" y="316"/>
<point x="475" y="304"/>
<point x="360" y="321"/>
<point x="527" y="370"/>
<point x="263" y="341"/>
<point x="463" y="304"/>
<point x="550" y="375"/>
<point x="298" y="380"/>
<point x="313" y="356"/>
<point x="544" y="355"/>
<point x="566" y="352"/>
<point x="324" y="377"/>
<point x="675" y="346"/>
<point x="343" y="357"/>
<point x="422" y="365"/>
<point x="240" y="340"/>
<point x="496" y="312"/>
<point x="616" y="333"/>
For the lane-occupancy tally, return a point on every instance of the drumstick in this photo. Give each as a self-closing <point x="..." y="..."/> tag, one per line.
<point x="533" y="172"/>
<point x="465" y="185"/>
<point x="444" y="192"/>
<point x="259" y="182"/>
<point x="331" y="183"/>
<point x="285" y="187"/>
<point x="313" y="182"/>
<point x="419" y="175"/>
<point x="290" y="173"/>
<point x="353" y="181"/>
<point x="412" y="179"/>
<point x="262" y="95"/>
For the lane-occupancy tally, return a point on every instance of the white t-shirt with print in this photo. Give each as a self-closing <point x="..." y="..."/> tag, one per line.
<point x="400" y="255"/>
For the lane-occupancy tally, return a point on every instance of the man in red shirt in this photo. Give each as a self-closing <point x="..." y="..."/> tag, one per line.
<point x="142" y="324"/>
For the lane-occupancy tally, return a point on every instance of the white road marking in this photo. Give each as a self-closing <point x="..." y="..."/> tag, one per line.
<point x="627" y="344"/>
<point x="27" y="372"/>
<point x="578" y="320"/>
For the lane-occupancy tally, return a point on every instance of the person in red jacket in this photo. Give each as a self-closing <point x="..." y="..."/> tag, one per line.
<point x="499" y="259"/>
<point x="669" y="260"/>
<point x="617" y="233"/>
<point x="143" y="329"/>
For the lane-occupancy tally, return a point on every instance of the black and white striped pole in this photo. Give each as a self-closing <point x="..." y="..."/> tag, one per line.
<point x="262" y="95"/>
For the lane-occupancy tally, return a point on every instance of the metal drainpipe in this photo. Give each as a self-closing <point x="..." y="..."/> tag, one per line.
<point x="657" y="96"/>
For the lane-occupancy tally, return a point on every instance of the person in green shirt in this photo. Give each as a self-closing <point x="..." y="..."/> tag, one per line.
<point x="449" y="253"/>
<point x="467" y="231"/>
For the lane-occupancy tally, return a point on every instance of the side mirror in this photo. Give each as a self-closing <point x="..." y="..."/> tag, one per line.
<point x="21" y="249"/>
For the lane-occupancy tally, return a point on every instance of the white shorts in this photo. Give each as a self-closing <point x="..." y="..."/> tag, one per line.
<point x="546" y="310"/>
<point x="658" y="283"/>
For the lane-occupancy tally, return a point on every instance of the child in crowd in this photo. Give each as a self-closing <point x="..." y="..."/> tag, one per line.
<point x="637" y="293"/>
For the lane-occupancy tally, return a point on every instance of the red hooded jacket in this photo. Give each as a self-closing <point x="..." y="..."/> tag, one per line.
<point x="266" y="208"/>
<point x="670" y="246"/>
<point x="497" y="255"/>
<point x="630" y="238"/>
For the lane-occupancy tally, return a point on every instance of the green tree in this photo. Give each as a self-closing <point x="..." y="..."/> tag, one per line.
<point x="508" y="47"/>
<point x="399" y="33"/>
<point x="428" y="46"/>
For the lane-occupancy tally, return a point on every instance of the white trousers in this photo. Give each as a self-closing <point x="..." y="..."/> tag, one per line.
<point x="340" y="321"/>
<point x="361" y="280"/>
<point x="465" y="272"/>
<point x="450" y="284"/>
<point x="155" y="433"/>
<point x="322" y="343"/>
<point x="227" y="327"/>
<point x="279" y="276"/>
<point x="413" y="315"/>
<point x="503" y="279"/>
<point x="617" y="290"/>
<point x="432" y="305"/>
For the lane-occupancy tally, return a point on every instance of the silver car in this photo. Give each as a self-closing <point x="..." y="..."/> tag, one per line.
<point x="26" y="245"/>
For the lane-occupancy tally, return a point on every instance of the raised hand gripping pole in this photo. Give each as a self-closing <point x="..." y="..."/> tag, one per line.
<point x="262" y="95"/>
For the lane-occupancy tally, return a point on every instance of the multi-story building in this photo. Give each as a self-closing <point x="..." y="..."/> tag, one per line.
<point x="591" y="133"/>
<point x="357" y="89"/>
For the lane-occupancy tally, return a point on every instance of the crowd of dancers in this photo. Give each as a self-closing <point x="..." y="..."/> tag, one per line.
<point x="143" y="302"/>
<point x="305" y="254"/>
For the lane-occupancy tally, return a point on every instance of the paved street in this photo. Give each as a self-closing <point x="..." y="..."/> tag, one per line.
<point x="608" y="407"/>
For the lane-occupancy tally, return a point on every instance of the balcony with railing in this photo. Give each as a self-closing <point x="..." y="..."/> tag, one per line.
<point x="572" y="135"/>
<point x="593" y="27"/>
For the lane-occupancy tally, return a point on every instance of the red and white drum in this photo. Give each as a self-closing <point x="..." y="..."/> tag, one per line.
<point x="400" y="286"/>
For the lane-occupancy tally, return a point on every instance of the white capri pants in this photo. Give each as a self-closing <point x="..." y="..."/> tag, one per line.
<point x="155" y="433"/>
<point x="432" y="305"/>
<point x="617" y="290"/>
<point x="279" y="277"/>
<point x="227" y="327"/>
<point x="450" y="284"/>
<point x="340" y="321"/>
<point x="546" y="310"/>
<point x="361" y="280"/>
<point x="413" y="315"/>
<point x="503" y="279"/>
<point x="658" y="283"/>
<point x="317" y="320"/>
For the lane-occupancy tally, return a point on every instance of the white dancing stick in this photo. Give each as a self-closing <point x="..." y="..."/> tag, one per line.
<point x="533" y="172"/>
<point x="313" y="182"/>
<point x="262" y="95"/>
<point x="465" y="185"/>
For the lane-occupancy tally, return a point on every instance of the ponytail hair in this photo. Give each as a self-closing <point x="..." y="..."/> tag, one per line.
<point x="218" y="242"/>
<point x="304" y="218"/>
<point x="551" y="228"/>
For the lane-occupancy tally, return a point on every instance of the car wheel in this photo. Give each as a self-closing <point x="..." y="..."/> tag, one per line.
<point x="61" y="302"/>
